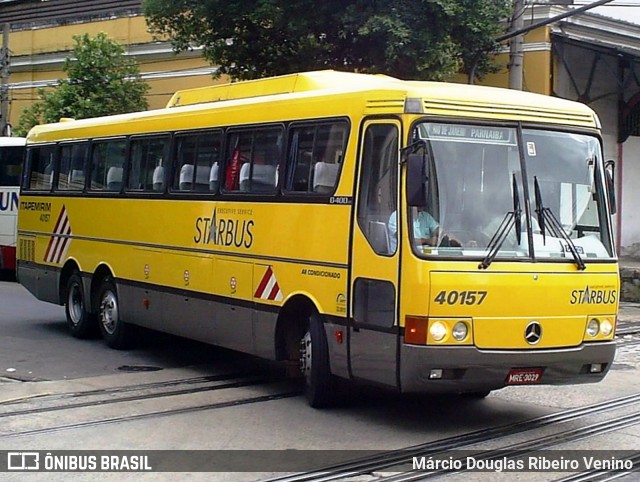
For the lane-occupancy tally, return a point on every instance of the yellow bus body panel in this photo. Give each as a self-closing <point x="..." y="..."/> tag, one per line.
<point x="170" y="243"/>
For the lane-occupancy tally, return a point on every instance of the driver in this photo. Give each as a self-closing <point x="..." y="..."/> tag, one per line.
<point x="425" y="229"/>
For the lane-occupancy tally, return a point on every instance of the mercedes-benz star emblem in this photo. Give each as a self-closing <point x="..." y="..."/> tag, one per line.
<point x="533" y="333"/>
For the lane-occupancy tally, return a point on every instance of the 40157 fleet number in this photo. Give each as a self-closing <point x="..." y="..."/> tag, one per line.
<point x="460" y="297"/>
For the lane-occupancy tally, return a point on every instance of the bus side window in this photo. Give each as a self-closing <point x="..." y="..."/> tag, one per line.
<point x="41" y="167"/>
<point x="315" y="156"/>
<point x="253" y="160"/>
<point x="107" y="165"/>
<point x="71" y="169"/>
<point x="146" y="172"/>
<point x="197" y="159"/>
<point x="11" y="159"/>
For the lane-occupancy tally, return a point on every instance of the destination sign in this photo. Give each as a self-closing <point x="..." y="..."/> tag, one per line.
<point x="466" y="133"/>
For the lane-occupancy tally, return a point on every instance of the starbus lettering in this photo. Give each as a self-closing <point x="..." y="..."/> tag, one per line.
<point x="222" y="231"/>
<point x="590" y="296"/>
<point x="203" y="228"/>
<point x="8" y="201"/>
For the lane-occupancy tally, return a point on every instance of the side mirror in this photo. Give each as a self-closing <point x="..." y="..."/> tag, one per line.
<point x="609" y="172"/>
<point x="416" y="180"/>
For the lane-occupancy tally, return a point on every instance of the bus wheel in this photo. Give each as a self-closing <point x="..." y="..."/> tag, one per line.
<point x="116" y="333"/>
<point x="314" y="364"/>
<point x="82" y="324"/>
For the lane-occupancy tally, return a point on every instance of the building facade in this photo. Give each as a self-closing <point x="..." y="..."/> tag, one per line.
<point x="41" y="38"/>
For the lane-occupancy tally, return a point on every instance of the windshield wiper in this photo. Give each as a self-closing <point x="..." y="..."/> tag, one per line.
<point x="546" y="216"/>
<point x="511" y="219"/>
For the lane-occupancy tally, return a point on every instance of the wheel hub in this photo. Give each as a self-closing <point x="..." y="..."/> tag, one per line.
<point x="305" y="355"/>
<point x="75" y="305"/>
<point x="109" y="312"/>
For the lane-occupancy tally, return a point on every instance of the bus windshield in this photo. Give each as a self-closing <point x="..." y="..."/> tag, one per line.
<point x="476" y="195"/>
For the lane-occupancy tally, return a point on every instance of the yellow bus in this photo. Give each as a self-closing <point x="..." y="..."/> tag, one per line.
<point x="426" y="237"/>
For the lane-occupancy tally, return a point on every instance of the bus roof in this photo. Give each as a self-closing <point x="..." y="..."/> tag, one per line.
<point x="284" y="98"/>
<point x="284" y="84"/>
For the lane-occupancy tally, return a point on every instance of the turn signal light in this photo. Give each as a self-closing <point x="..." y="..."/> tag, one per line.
<point x="415" y="330"/>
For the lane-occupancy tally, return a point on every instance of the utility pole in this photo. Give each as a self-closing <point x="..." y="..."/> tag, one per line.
<point x="5" y="129"/>
<point x="516" y="34"/>
<point x="516" y="56"/>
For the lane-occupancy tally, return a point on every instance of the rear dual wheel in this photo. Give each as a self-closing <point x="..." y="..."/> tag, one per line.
<point x="115" y="332"/>
<point x="81" y="323"/>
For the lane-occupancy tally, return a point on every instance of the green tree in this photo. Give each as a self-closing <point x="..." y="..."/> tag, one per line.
<point x="100" y="81"/>
<point x="416" y="39"/>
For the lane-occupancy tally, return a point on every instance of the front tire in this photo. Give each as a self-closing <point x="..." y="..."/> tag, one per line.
<point x="115" y="332"/>
<point x="81" y="323"/>
<point x="320" y="386"/>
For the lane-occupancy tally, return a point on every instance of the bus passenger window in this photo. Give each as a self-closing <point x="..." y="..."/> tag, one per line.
<point x="145" y="165"/>
<point x="107" y="163"/>
<point x="315" y="156"/>
<point x="197" y="158"/>
<point x="11" y="159"/>
<point x="253" y="160"/>
<point x="41" y="168"/>
<point x="71" y="169"/>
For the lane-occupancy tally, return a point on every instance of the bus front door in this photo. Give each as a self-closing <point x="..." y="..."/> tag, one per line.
<point x="373" y="330"/>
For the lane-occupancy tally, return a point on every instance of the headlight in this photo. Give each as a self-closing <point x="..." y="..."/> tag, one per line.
<point x="438" y="331"/>
<point x="460" y="331"/>
<point x="593" y="327"/>
<point x="606" y="327"/>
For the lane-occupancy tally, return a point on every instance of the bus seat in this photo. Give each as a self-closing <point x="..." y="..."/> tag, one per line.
<point x="202" y="179"/>
<point x="186" y="177"/>
<point x="114" y="178"/>
<point x="263" y="178"/>
<point x="379" y="237"/>
<point x="76" y="179"/>
<point x="245" y="170"/>
<point x="213" y="177"/>
<point x="325" y="176"/>
<point x="158" y="178"/>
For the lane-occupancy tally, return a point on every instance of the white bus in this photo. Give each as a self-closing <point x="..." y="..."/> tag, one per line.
<point x="11" y="156"/>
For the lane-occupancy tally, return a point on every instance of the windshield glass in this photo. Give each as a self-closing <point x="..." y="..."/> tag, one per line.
<point x="566" y="168"/>
<point x="475" y="193"/>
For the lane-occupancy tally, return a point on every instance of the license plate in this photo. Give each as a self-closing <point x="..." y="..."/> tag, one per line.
<point x="524" y="376"/>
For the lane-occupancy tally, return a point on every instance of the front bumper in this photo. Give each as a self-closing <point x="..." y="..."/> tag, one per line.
<point x="468" y="369"/>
